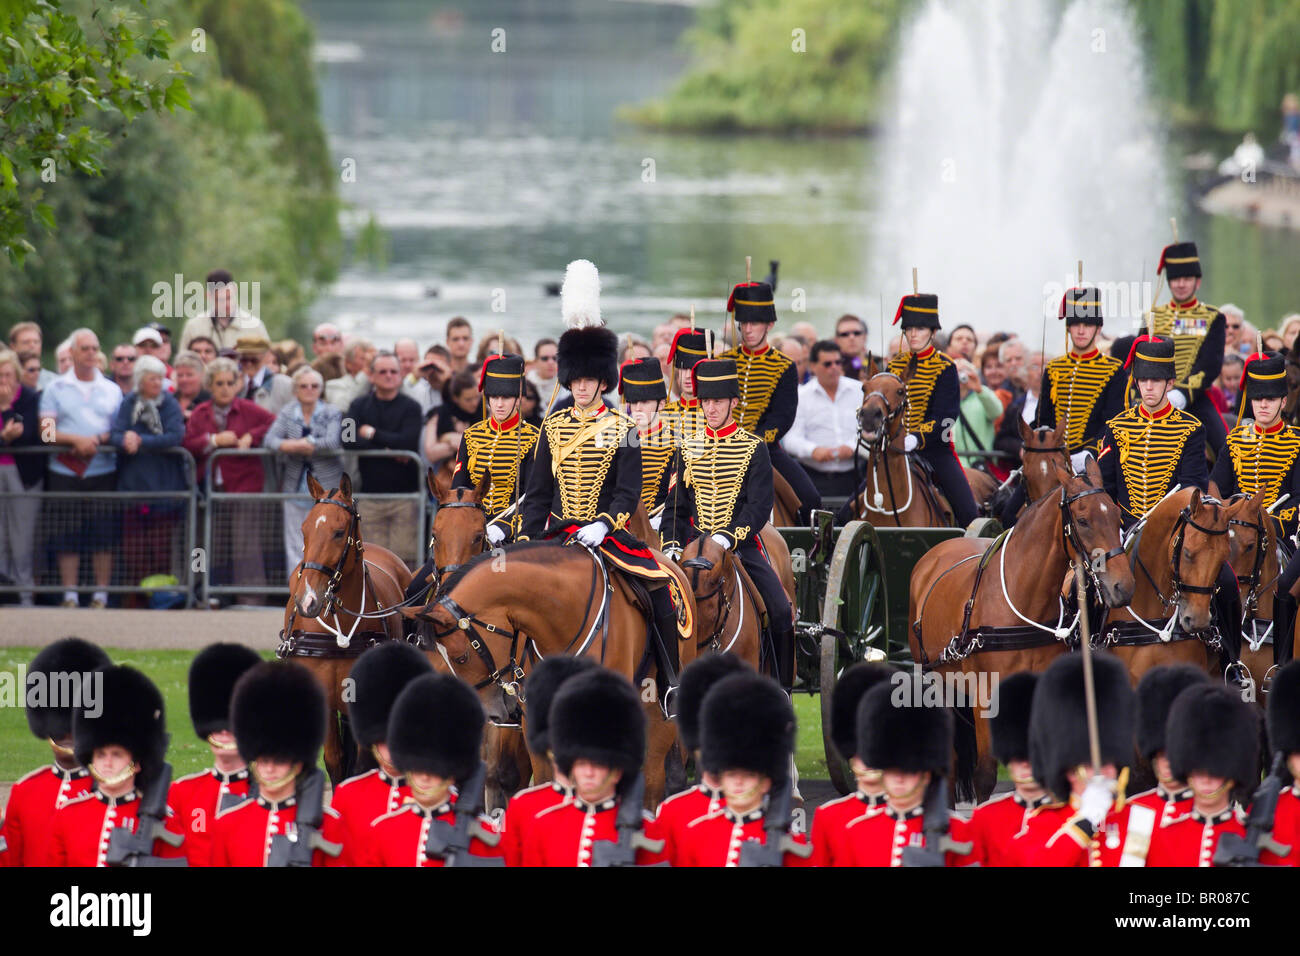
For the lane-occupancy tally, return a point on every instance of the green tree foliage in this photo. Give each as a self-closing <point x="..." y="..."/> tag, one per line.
<point x="748" y="75"/>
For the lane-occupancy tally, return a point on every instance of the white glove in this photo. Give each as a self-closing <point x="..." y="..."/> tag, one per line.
<point x="656" y="521"/>
<point x="721" y="541"/>
<point x="673" y="554"/>
<point x="1079" y="461"/>
<point x="1097" y="799"/>
<point x="1177" y="399"/>
<point x="593" y="534"/>
<point x="495" y="534"/>
<point x="910" y="442"/>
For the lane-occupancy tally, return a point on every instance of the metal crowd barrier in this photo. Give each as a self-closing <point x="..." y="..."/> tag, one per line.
<point x="147" y="533"/>
<point x="243" y="532"/>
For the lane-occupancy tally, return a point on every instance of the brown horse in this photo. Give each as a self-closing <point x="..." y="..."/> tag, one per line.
<point x="1043" y="448"/>
<point x="963" y="586"/>
<point x="1252" y="552"/>
<point x="343" y="588"/>
<point x="537" y="589"/>
<point x="1175" y="564"/>
<point x="785" y="503"/>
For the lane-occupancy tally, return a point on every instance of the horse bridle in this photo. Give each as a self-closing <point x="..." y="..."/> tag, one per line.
<point x="698" y="564"/>
<point x="1180" y="586"/>
<point x="1070" y="534"/>
<point x="440" y="573"/>
<point x="891" y="414"/>
<point x="1251" y="602"/>
<point x="335" y="573"/>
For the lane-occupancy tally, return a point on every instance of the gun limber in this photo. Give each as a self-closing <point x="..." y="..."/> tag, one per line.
<point x="295" y="849"/>
<point x="936" y="825"/>
<point x="128" y="847"/>
<point x="1244" y="851"/>
<point x="631" y="836"/>
<point x="450" y="842"/>
<point x="776" y="829"/>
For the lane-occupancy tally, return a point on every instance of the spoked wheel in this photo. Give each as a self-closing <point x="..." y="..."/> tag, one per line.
<point x="855" y="593"/>
<point x="836" y="765"/>
<point x="984" y="528"/>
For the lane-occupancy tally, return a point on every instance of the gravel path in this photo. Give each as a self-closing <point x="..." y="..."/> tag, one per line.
<point x="147" y="630"/>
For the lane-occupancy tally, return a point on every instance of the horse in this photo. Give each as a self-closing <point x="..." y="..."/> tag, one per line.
<point x="897" y="492"/>
<point x="1176" y="562"/>
<point x="970" y="586"/>
<point x="339" y="584"/>
<point x="785" y="503"/>
<point x="485" y="609"/>
<point x="1036" y="476"/>
<point x="1252" y="553"/>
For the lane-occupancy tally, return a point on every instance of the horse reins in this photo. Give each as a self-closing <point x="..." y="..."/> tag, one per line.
<point x="441" y="573"/>
<point x="698" y="564"/>
<point x="881" y="444"/>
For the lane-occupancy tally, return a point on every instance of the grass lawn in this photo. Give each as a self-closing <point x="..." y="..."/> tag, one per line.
<point x="20" y="752"/>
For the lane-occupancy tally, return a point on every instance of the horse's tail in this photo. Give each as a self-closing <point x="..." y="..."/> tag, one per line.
<point x="967" y="753"/>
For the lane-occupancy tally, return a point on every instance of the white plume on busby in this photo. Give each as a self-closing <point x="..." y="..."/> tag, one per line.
<point x="586" y="349"/>
<point x="580" y="295"/>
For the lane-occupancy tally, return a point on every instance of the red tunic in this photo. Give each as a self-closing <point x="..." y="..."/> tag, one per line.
<point x="677" y="813"/>
<point x="398" y="838"/>
<point x="242" y="835"/>
<point x="878" y="836"/>
<point x="196" y="801"/>
<point x="715" y="839"/>
<point x="1168" y="807"/>
<point x="29" y="817"/>
<point x="520" y="813"/>
<point x="995" y="823"/>
<point x="1191" y="840"/>
<point x="1286" y="829"/>
<point x="82" y="828"/>
<point x="563" y="835"/>
<point x="359" y="802"/>
<point x="1057" y="835"/>
<point x="829" y="833"/>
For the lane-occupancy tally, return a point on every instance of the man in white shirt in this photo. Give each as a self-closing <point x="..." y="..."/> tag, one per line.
<point x="825" y="429"/>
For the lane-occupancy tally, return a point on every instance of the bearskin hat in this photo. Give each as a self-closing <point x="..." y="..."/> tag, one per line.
<point x="1010" y="728"/>
<point x="1211" y="729"/>
<point x="1156" y="692"/>
<point x="697" y="680"/>
<point x="278" y="711"/>
<point x="436" y="727"/>
<point x="71" y="657"/>
<point x="1179" y="260"/>
<point x="849" y="689"/>
<point x="540" y="687"/>
<point x="907" y="736"/>
<point x="597" y="716"/>
<point x="1284" y="709"/>
<point x="587" y="349"/>
<point x="747" y="723"/>
<point x="1058" y="723"/>
<point x="212" y="680"/>
<point x="131" y="715"/>
<point x="378" y="677"/>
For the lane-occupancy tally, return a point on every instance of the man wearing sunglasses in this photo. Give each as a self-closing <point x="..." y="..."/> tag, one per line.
<point x="851" y="339"/>
<point x="825" y="428"/>
<point x="261" y="384"/>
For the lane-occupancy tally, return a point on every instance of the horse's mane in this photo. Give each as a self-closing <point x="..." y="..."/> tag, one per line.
<point x="521" y="549"/>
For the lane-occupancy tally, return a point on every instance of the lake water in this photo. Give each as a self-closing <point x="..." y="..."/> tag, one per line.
<point x="489" y="171"/>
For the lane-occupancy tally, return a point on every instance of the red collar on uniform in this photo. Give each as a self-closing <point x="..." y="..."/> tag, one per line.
<point x="763" y="351"/>
<point x="688" y="402"/>
<point x="504" y="426"/>
<point x="1273" y="429"/>
<point x="1164" y="411"/>
<point x="1092" y="353"/>
<point x="1183" y="306"/>
<point x="926" y="352"/>
<point x="726" y="431"/>
<point x="654" y="429"/>
<point x="601" y="409"/>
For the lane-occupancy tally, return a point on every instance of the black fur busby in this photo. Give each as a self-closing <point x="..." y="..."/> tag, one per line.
<point x="688" y="348"/>
<point x="278" y="711"/>
<point x="130" y="714"/>
<point x="1009" y="730"/>
<point x="436" y="727"/>
<point x="848" y="693"/>
<point x="378" y="677"/>
<point x="502" y="375"/>
<point x="1212" y="730"/>
<point x="919" y="311"/>
<point x="1151" y="357"/>
<point x="696" y="682"/>
<point x="747" y="723"/>
<point x="715" y="378"/>
<point x="1179" y="260"/>
<point x="1284" y="709"/>
<point x="58" y="665"/>
<point x="587" y="349"/>
<point x="1082" y="306"/>
<point x="642" y="380"/>
<point x="1058" y="724"/>
<point x="1264" y="377"/>
<point x="597" y="716"/>
<point x="1155" y="695"/>
<point x="752" y="302"/>
<point x="540" y="687"/>
<point x="902" y="733"/>
<point x="212" y="680"/>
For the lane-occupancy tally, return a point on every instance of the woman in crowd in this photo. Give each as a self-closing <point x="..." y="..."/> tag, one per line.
<point x="994" y="376"/>
<point x="148" y="422"/>
<point x="187" y="373"/>
<point x="1289" y="329"/>
<point x="19" y="475"/>
<point x="30" y="365"/>
<point x="308" y="432"/>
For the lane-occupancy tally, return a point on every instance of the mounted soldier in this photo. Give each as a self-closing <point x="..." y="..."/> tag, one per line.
<point x="769" y="386"/>
<point x="586" y="480"/>
<point x="198" y="798"/>
<point x="641" y="383"/>
<point x="722" y="488"/>
<point x="1198" y="333"/>
<point x="933" y="401"/>
<point x="683" y="413"/>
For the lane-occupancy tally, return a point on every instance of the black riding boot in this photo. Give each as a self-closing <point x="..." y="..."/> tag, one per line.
<point x="1284" y="610"/>
<point x="666" y="622"/>
<point x="783" y="641"/>
<point x="1226" y="607"/>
